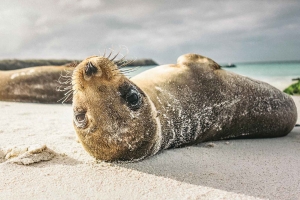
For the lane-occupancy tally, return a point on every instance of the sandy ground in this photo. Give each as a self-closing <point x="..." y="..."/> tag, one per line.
<point x="234" y="169"/>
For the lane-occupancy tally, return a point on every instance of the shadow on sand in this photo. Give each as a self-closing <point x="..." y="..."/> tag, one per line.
<point x="265" y="168"/>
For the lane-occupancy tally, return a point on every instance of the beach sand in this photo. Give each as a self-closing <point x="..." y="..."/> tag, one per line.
<point x="233" y="169"/>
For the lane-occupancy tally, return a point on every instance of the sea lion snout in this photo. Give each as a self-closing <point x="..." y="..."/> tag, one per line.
<point x="98" y="68"/>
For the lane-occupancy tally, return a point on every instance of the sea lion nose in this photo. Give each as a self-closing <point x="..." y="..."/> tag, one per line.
<point x="90" y="69"/>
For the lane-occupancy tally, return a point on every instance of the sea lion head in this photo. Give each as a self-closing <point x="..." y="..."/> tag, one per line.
<point x="113" y="118"/>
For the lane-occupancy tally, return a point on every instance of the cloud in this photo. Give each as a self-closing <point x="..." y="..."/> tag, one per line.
<point x="226" y="31"/>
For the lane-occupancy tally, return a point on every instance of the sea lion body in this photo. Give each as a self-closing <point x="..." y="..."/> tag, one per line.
<point x="200" y="102"/>
<point x="172" y="106"/>
<point x="34" y="84"/>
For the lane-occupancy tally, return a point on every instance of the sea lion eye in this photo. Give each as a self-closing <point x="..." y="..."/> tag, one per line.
<point x="133" y="98"/>
<point x="80" y="117"/>
<point x="131" y="95"/>
<point x="80" y="120"/>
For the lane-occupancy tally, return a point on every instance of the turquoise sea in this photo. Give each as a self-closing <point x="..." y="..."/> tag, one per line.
<point x="278" y="74"/>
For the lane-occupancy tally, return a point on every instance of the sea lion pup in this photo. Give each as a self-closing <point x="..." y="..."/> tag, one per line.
<point x="34" y="84"/>
<point x="193" y="101"/>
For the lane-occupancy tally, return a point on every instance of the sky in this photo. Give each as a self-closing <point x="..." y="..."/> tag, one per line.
<point x="226" y="31"/>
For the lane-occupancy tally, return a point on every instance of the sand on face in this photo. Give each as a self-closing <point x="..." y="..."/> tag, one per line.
<point x="234" y="169"/>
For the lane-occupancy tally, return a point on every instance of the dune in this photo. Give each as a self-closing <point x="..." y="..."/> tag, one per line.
<point x="40" y="158"/>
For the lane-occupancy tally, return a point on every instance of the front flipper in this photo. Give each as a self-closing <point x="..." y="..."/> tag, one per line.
<point x="198" y="60"/>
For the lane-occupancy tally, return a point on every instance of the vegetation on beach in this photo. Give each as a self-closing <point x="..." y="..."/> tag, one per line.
<point x="293" y="89"/>
<point x="11" y="64"/>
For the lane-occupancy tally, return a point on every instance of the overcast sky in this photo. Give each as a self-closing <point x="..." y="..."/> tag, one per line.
<point x="226" y="31"/>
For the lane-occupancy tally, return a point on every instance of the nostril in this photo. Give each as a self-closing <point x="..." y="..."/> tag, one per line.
<point x="90" y="69"/>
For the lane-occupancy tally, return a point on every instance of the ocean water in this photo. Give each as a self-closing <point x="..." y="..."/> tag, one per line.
<point x="279" y="75"/>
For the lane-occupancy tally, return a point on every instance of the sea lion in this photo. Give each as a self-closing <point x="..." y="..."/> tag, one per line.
<point x="34" y="84"/>
<point x="193" y="101"/>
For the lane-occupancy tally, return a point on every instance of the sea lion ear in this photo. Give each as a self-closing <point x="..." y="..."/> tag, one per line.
<point x="90" y="70"/>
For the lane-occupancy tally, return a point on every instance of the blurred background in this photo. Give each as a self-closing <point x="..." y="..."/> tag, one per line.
<point x="226" y="31"/>
<point x="260" y="38"/>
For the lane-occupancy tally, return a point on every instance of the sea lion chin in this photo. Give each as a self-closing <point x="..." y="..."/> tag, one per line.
<point x="117" y="119"/>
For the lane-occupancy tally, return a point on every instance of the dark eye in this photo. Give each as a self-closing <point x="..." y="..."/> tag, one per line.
<point x="80" y="117"/>
<point x="132" y="95"/>
<point x="133" y="98"/>
<point x="80" y="120"/>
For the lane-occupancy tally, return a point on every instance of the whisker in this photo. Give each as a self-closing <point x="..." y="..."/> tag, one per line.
<point x="127" y="63"/>
<point x="65" y="83"/>
<point x="68" y="92"/>
<point x="115" y="56"/>
<point x="119" y="62"/>
<point x="63" y="80"/>
<point x="111" y="51"/>
<point x="125" y="47"/>
<point x="129" y="71"/>
<point x="68" y="98"/>
<point x="62" y="100"/>
<point x="61" y="89"/>
<point x="123" y="58"/>
<point x="65" y="76"/>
